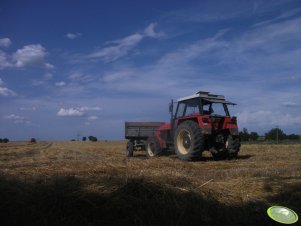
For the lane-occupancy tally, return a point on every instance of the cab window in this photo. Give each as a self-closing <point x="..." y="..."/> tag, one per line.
<point x="192" y="108"/>
<point x="188" y="108"/>
<point x="180" y="109"/>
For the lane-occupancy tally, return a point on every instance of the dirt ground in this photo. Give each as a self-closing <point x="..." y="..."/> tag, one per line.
<point x="93" y="183"/>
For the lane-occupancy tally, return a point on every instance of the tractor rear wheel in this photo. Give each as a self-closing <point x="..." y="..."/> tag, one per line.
<point x="189" y="141"/>
<point x="153" y="148"/>
<point x="129" y="149"/>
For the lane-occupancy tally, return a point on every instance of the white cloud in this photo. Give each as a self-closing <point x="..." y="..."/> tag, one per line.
<point x="77" y="111"/>
<point x="38" y="82"/>
<point x="80" y="77"/>
<point x="17" y="119"/>
<point x="28" y="108"/>
<point x="290" y="104"/>
<point x="90" y="108"/>
<point x="60" y="83"/>
<point x="70" y="112"/>
<point x="273" y="35"/>
<point x="267" y="118"/>
<point x="5" y="91"/>
<point x="73" y="35"/>
<point x="284" y="15"/>
<point x="5" y="42"/>
<point x="115" y="76"/>
<point x="48" y="66"/>
<point x="150" y="31"/>
<point x="4" y="63"/>
<point x="31" y="55"/>
<point x="92" y="118"/>
<point x="14" y="117"/>
<point x="43" y="80"/>
<point x="122" y="47"/>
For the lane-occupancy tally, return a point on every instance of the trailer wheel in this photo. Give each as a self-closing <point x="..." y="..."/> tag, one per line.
<point x="153" y="148"/>
<point x="189" y="141"/>
<point x="129" y="149"/>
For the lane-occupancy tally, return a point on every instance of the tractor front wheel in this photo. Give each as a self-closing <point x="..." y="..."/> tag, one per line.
<point x="233" y="145"/>
<point x="228" y="150"/>
<point x="189" y="141"/>
<point x="153" y="148"/>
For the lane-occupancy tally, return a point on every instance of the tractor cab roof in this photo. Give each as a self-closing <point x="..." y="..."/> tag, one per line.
<point x="206" y="96"/>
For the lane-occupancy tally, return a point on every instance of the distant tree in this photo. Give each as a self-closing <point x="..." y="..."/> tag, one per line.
<point x="253" y="136"/>
<point x="244" y="135"/>
<point x="5" y="140"/>
<point x="1" y="140"/>
<point x="293" y="137"/>
<point x="84" y="139"/>
<point x="92" y="138"/>
<point x="274" y="133"/>
<point x="33" y="140"/>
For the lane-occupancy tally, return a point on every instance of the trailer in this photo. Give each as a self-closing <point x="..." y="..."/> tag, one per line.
<point x="137" y="133"/>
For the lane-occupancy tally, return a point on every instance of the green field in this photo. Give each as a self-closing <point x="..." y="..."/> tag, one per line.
<point x="92" y="183"/>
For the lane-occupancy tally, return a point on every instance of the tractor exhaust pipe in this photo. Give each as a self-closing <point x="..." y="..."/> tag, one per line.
<point x="171" y="115"/>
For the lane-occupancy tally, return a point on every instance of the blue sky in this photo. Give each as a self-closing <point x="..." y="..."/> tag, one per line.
<point x="83" y="68"/>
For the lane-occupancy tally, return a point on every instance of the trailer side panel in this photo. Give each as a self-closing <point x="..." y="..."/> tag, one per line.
<point x="140" y="130"/>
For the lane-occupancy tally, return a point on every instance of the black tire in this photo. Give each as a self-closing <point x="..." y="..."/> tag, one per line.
<point x="129" y="149"/>
<point x="233" y="146"/>
<point x="153" y="148"/>
<point x="228" y="150"/>
<point x="220" y="154"/>
<point x="189" y="141"/>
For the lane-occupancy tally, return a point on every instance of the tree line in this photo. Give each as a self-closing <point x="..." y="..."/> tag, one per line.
<point x="4" y="140"/>
<point x="273" y="134"/>
<point x="91" y="138"/>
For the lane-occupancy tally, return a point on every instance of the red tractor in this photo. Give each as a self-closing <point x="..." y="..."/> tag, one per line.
<point x="201" y="122"/>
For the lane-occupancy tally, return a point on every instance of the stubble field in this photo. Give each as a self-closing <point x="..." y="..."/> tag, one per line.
<point x="92" y="183"/>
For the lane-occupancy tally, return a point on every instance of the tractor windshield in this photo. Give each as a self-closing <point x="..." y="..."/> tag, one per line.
<point x="215" y="109"/>
<point x="198" y="106"/>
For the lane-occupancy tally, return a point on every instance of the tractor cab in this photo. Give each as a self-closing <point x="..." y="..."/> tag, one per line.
<point x="203" y="103"/>
<point x="203" y="108"/>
